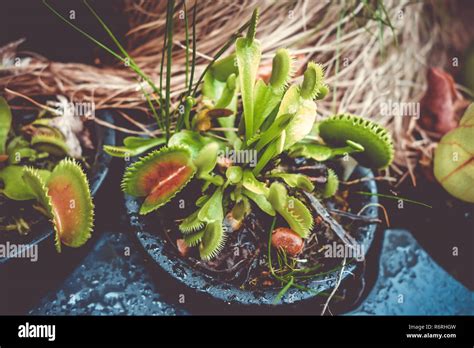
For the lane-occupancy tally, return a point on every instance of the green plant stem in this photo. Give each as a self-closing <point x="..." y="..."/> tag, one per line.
<point x="186" y="31"/>
<point x="283" y="291"/>
<point x="270" y="266"/>
<point x="338" y="38"/>
<point x="131" y="62"/>
<point x="153" y="110"/>
<point x="169" y="60"/>
<point x="128" y="63"/>
<point x="393" y="197"/>
<point x="191" y="78"/>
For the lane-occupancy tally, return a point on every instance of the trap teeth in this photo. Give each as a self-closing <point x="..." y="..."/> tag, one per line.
<point x="375" y="139"/>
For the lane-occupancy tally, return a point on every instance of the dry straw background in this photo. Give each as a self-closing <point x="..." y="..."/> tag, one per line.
<point x="363" y="69"/>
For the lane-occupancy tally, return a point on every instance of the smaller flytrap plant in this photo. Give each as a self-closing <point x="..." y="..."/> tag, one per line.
<point x="454" y="159"/>
<point x="243" y="152"/>
<point x="37" y="174"/>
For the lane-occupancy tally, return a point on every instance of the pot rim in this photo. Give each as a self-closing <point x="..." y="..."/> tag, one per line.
<point x="156" y="247"/>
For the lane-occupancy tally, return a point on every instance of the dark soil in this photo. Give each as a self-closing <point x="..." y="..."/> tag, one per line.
<point x="243" y="261"/>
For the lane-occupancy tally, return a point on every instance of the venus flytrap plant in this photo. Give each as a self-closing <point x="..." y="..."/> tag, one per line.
<point x="275" y="118"/>
<point x="62" y="193"/>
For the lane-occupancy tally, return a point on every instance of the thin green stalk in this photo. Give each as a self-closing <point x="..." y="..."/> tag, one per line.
<point x="152" y="108"/>
<point x="162" y="64"/>
<point x="186" y="31"/>
<point x="191" y="79"/>
<point x="338" y="38"/>
<point x="109" y="32"/>
<point x="169" y="60"/>
<point x="130" y="59"/>
<point x="318" y="275"/>
<point x="184" y="119"/>
<point x="98" y="43"/>
<point x="270" y="266"/>
<point x="388" y="21"/>
<point x="283" y="291"/>
<point x="288" y="283"/>
<point x="393" y="197"/>
<point x="129" y="63"/>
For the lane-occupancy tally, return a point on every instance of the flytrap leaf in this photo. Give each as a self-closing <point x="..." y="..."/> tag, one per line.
<point x="234" y="174"/>
<point x="15" y="186"/>
<point x="18" y="149"/>
<point x="51" y="144"/>
<point x="220" y="87"/>
<point x="133" y="146"/>
<point x="191" y="223"/>
<point x="454" y="159"/>
<point x="321" y="152"/>
<point x="193" y="141"/>
<point x="210" y="216"/>
<point x="212" y="210"/>
<point x="331" y="186"/>
<point x="5" y="124"/>
<point x="295" y="212"/>
<point x="261" y="201"/>
<point x="240" y="209"/>
<point x="228" y="93"/>
<point x="299" y="100"/>
<point x="299" y="181"/>
<point x="273" y="131"/>
<point x="159" y="176"/>
<point x="33" y="178"/>
<point x="267" y="97"/>
<point x="66" y="197"/>
<point x="272" y="150"/>
<point x="252" y="184"/>
<point x="193" y="239"/>
<point x="73" y="210"/>
<point x="212" y="240"/>
<point x="376" y="140"/>
<point x="206" y="159"/>
<point x="248" y="52"/>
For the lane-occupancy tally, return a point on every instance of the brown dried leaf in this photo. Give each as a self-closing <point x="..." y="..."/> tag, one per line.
<point x="442" y="105"/>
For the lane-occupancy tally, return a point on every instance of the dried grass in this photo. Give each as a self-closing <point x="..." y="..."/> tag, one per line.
<point x="362" y="70"/>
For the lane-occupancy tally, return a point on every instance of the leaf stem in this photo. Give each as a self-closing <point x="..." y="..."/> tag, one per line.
<point x="393" y="197"/>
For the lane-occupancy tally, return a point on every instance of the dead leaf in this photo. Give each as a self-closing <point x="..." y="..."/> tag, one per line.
<point x="442" y="105"/>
